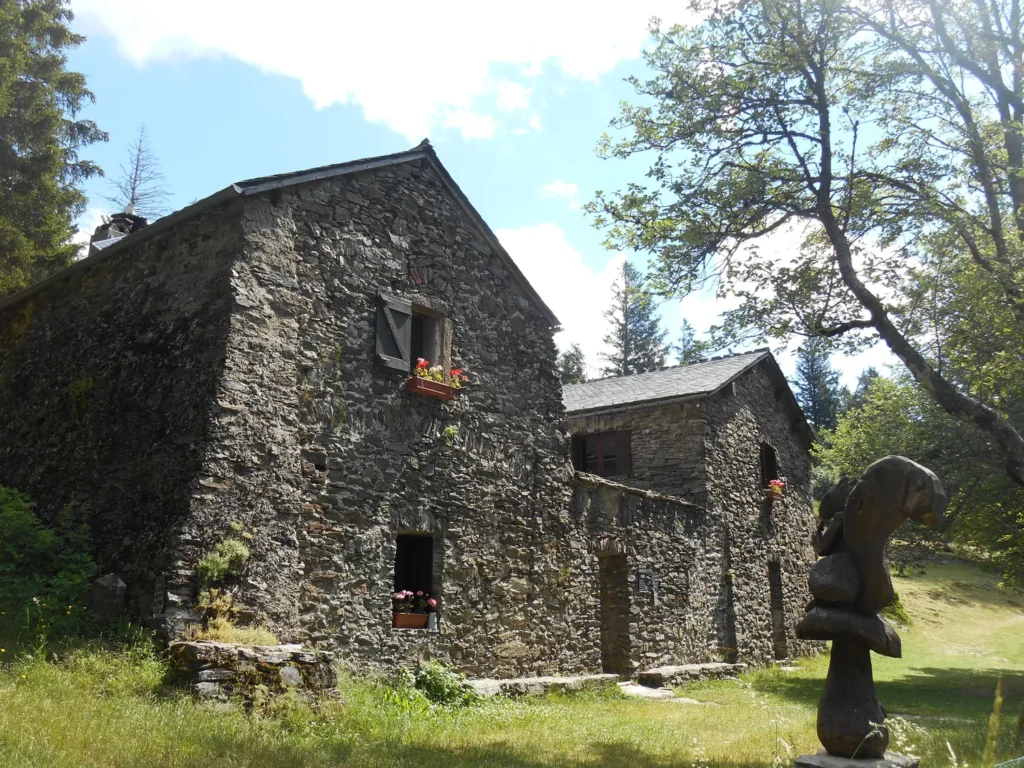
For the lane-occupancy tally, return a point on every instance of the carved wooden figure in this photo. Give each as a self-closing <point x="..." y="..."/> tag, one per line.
<point x="850" y="584"/>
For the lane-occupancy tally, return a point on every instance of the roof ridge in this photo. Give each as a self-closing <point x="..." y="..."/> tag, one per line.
<point x="668" y="369"/>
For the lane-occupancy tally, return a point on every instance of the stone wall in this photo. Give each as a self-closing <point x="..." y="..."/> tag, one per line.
<point x="325" y="457"/>
<point x="760" y="531"/>
<point x="666" y="442"/>
<point x="666" y="556"/>
<point x="107" y="380"/>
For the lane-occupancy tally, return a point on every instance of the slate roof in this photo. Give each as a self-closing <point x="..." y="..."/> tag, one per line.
<point x="692" y="381"/>
<point x="423" y="151"/>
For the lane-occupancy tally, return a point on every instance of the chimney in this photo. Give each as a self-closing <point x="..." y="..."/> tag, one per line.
<point x="114" y="228"/>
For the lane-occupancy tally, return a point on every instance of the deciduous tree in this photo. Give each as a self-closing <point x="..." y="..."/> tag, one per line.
<point x="880" y="132"/>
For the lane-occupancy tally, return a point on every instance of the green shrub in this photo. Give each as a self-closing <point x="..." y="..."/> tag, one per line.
<point x="226" y="560"/>
<point x="897" y="612"/>
<point x="443" y="686"/>
<point x="44" y="572"/>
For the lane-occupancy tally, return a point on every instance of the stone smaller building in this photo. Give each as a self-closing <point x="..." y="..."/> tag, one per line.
<point x="714" y="434"/>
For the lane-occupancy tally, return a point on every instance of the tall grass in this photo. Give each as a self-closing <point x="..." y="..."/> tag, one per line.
<point x="98" y="706"/>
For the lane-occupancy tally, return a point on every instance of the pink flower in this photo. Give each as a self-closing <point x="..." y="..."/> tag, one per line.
<point x="432" y="603"/>
<point x="419" y="593"/>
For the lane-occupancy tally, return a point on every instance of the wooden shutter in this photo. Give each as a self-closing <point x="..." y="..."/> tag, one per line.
<point x="622" y="446"/>
<point x="394" y="333"/>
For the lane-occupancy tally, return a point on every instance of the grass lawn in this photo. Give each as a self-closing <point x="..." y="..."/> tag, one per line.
<point x="98" y="708"/>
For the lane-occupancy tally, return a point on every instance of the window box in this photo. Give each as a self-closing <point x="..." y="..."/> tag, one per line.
<point x="773" y="495"/>
<point x="419" y="385"/>
<point x="409" y="620"/>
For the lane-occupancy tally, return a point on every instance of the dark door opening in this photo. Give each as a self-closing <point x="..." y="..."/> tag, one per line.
<point x="613" y="574"/>
<point x="778" y="611"/>
<point x="414" y="562"/>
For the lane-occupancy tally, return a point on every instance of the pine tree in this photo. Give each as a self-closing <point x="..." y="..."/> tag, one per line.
<point x="689" y="349"/>
<point x="851" y="401"/>
<point x="40" y="138"/>
<point x="817" y="384"/>
<point x="572" y="366"/>
<point x="140" y="183"/>
<point x="636" y="338"/>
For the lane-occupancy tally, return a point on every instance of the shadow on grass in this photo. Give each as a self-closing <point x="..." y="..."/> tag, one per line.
<point x="957" y="699"/>
<point x="607" y="755"/>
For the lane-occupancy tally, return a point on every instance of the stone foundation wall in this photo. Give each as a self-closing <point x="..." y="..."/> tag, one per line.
<point x="107" y="381"/>
<point x="760" y="531"/>
<point x="667" y="446"/>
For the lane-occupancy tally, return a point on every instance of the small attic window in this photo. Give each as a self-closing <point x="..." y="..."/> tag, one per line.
<point x="406" y="332"/>
<point x="769" y="465"/>
<point x="426" y="337"/>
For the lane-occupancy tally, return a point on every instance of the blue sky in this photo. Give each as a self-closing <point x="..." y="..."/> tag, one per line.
<point x="513" y="99"/>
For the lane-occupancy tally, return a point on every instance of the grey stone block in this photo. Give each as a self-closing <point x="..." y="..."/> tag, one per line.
<point x="825" y="760"/>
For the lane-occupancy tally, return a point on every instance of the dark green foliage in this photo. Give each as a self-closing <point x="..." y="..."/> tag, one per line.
<point x="986" y="508"/>
<point x="40" y="138"/>
<point x="636" y="338"/>
<point x="817" y="384"/>
<point x="689" y="349"/>
<point x="572" y="366"/>
<point x="443" y="686"/>
<point x="45" y="572"/>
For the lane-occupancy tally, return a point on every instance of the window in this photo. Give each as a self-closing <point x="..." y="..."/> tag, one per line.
<point x="604" y="453"/>
<point x="426" y="338"/>
<point x="769" y="465"/>
<point x="406" y="332"/>
<point x="414" y="562"/>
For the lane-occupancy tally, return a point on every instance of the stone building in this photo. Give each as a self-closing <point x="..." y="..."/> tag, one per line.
<point x="243" y="368"/>
<point x="714" y="434"/>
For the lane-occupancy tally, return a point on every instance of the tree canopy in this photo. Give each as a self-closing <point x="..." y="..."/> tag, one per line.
<point x="817" y="386"/>
<point x="636" y="338"/>
<point x="40" y="138"/>
<point x="572" y="365"/>
<point x="689" y="349"/>
<point x="986" y="509"/>
<point x="887" y="135"/>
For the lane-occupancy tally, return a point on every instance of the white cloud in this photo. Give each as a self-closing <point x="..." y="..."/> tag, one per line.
<point x="576" y="293"/>
<point x="563" y="189"/>
<point x="419" y="68"/>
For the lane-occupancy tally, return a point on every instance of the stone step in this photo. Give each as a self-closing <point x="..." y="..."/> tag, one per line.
<point x="678" y="674"/>
<point x="538" y="686"/>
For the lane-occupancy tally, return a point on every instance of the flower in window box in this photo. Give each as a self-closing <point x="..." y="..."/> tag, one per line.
<point x="457" y="378"/>
<point x="776" y="489"/>
<point x="406" y="601"/>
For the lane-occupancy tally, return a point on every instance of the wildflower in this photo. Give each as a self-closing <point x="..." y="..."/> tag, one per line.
<point x="3" y="650"/>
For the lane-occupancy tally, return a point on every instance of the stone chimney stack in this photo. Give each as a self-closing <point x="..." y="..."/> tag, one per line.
<point x="114" y="228"/>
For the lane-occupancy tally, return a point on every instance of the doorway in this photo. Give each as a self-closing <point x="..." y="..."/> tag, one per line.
<point x="778" y="611"/>
<point x="613" y="574"/>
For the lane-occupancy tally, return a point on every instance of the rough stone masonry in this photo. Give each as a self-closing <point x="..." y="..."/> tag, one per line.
<point x="234" y="367"/>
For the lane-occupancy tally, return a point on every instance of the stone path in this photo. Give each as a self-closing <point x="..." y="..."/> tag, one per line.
<point x="678" y="674"/>
<point x="538" y="686"/>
